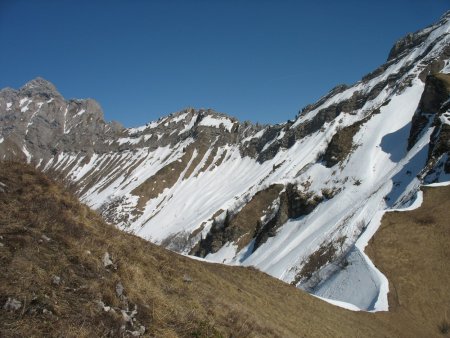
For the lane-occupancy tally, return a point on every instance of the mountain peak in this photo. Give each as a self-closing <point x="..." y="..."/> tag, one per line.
<point x="40" y="86"/>
<point x="412" y="40"/>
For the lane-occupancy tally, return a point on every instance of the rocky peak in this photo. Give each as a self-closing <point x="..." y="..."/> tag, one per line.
<point x="39" y="86"/>
<point x="412" y="40"/>
<point x="406" y="43"/>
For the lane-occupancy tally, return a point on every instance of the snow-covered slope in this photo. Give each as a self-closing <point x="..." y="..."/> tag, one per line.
<point x="298" y="200"/>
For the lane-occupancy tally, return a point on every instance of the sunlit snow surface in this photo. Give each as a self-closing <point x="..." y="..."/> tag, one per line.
<point x="217" y="122"/>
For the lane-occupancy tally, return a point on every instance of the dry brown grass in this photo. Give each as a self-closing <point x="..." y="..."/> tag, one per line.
<point x="445" y="79"/>
<point x="413" y="250"/>
<point x="247" y="218"/>
<point x="219" y="301"/>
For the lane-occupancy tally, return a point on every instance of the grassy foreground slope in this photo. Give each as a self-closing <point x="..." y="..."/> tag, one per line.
<point x="66" y="273"/>
<point x="413" y="250"/>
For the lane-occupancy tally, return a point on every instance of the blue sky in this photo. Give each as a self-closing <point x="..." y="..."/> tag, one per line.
<point x="258" y="60"/>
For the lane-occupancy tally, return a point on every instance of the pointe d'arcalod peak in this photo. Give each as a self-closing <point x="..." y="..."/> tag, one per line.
<point x="298" y="200"/>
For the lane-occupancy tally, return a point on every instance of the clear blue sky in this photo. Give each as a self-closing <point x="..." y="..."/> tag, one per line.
<point x="258" y="60"/>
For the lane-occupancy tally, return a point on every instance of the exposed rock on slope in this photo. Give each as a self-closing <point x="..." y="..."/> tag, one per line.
<point x="434" y="109"/>
<point x="192" y="180"/>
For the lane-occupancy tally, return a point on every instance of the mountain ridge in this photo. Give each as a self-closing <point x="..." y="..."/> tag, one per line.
<point x="291" y="199"/>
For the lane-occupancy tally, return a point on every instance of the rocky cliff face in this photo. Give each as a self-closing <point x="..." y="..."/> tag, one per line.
<point x="291" y="199"/>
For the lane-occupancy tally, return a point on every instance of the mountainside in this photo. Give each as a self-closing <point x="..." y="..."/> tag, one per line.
<point x="297" y="200"/>
<point x="65" y="272"/>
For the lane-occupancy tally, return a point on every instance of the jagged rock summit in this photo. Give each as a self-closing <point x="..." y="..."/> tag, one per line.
<point x="40" y="86"/>
<point x="298" y="200"/>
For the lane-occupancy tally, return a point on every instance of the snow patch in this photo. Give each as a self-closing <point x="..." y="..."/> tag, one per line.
<point x="445" y="118"/>
<point x="32" y="116"/>
<point x="81" y="112"/>
<point x="216" y="122"/>
<point x="65" y="131"/>
<point x="259" y="134"/>
<point x="24" y="103"/>
<point x="344" y="305"/>
<point x="137" y="129"/>
<point x="189" y="126"/>
<point x="129" y="140"/>
<point x="224" y="255"/>
<point x="179" y="118"/>
<point x="27" y="153"/>
<point x="438" y="184"/>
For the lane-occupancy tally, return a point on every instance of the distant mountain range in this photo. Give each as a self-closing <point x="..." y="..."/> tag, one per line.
<point x="298" y="200"/>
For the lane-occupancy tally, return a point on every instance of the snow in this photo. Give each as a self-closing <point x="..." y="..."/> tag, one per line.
<point x="438" y="174"/>
<point x="259" y="134"/>
<point x="344" y="305"/>
<point x="334" y="99"/>
<point x="24" y="103"/>
<point x="192" y="201"/>
<point x="279" y="137"/>
<point x="281" y="134"/>
<point x="344" y="284"/>
<point x="446" y="68"/>
<point x="33" y="115"/>
<point x="137" y="129"/>
<point x="189" y="126"/>
<point x="414" y="205"/>
<point x="1" y="139"/>
<point x="80" y="171"/>
<point x="114" y="184"/>
<point x="81" y="112"/>
<point x="213" y="121"/>
<point x="195" y="258"/>
<point x="445" y="118"/>
<point x="65" y="131"/>
<point x="437" y="32"/>
<point x="224" y="255"/>
<point x="179" y="118"/>
<point x="151" y="125"/>
<point x="268" y="144"/>
<point x="379" y="157"/>
<point x="129" y="140"/>
<point x="438" y="184"/>
<point x="27" y="153"/>
<point x="356" y="282"/>
<point x="8" y="106"/>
